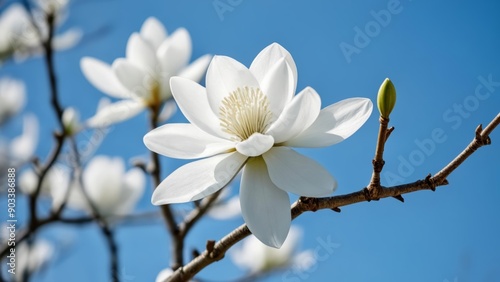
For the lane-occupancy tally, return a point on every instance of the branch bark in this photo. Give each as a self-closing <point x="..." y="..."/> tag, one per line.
<point x="177" y="240"/>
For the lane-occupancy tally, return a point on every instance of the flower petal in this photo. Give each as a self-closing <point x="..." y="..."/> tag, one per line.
<point x="168" y="110"/>
<point x="224" y="76"/>
<point x="140" y="53"/>
<point x="265" y="207"/>
<point x="68" y="39"/>
<point x="115" y="112"/>
<point x="256" y="145"/>
<point x="196" y="69"/>
<point x="268" y="57"/>
<point x="279" y="86"/>
<point x="185" y="141"/>
<point x="102" y="180"/>
<point x="298" y="174"/>
<point x="133" y="78"/>
<point x="198" y="179"/>
<point x="174" y="53"/>
<point x="193" y="101"/>
<point x="23" y="147"/>
<point x="103" y="78"/>
<point x="223" y="211"/>
<point x="153" y="32"/>
<point x="132" y="190"/>
<point x="334" y="124"/>
<point x="297" y="115"/>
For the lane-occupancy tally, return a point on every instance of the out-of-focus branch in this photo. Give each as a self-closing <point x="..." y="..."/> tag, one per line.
<point x="216" y="251"/>
<point x="49" y="62"/>
<point x="60" y="137"/>
<point x="177" y="241"/>
<point x="103" y="224"/>
<point x="58" y="218"/>
<point x="196" y="214"/>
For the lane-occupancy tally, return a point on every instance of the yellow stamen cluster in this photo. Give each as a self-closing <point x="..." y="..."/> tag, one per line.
<point x="245" y="112"/>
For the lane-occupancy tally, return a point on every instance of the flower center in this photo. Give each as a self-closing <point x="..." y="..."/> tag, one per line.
<point x="245" y="112"/>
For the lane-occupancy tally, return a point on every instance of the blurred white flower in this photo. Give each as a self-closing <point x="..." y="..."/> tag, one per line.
<point x="32" y="258"/>
<point x="20" y="38"/>
<point x="112" y="190"/>
<point x="12" y="97"/>
<point x="249" y="118"/>
<point x="21" y="148"/>
<point x="71" y="121"/>
<point x="52" y="6"/>
<point x="225" y="207"/>
<point x="56" y="176"/>
<point x="256" y="257"/>
<point x="141" y="79"/>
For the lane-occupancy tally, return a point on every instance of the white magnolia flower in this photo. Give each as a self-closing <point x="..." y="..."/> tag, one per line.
<point x="249" y="118"/>
<point x="56" y="176"/>
<point x="71" y="121"/>
<point x="112" y="190"/>
<point x="20" y="38"/>
<point x="21" y="148"/>
<point x="12" y="97"/>
<point x="141" y="79"/>
<point x="225" y="207"/>
<point x="256" y="257"/>
<point x="32" y="258"/>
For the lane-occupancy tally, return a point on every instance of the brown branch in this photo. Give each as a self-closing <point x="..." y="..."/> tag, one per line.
<point x="196" y="214"/>
<point x="60" y="138"/>
<point x="378" y="161"/>
<point x="216" y="252"/>
<point x="103" y="224"/>
<point x="481" y="138"/>
<point x="177" y="240"/>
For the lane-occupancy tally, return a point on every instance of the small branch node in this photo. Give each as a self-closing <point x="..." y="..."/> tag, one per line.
<point x="430" y="182"/>
<point x="195" y="253"/>
<point x="383" y="120"/>
<point x="482" y="140"/>
<point x="210" y="246"/>
<point x="309" y="204"/>
<point x="388" y="132"/>
<point x="399" y="198"/>
<point x="378" y="165"/>
<point x="336" y="209"/>
<point x="367" y="194"/>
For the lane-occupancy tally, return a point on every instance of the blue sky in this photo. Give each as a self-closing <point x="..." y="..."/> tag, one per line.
<point x="437" y="53"/>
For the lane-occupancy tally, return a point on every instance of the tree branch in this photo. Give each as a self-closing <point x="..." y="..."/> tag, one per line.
<point x="378" y="161"/>
<point x="215" y="252"/>
<point x="177" y="240"/>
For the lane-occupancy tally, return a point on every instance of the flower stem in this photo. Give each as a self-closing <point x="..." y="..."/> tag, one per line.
<point x="177" y="240"/>
<point x="378" y="161"/>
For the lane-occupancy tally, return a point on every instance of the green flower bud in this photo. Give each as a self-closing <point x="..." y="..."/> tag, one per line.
<point x="386" y="98"/>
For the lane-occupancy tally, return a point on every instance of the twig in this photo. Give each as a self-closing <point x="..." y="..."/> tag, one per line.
<point x="218" y="250"/>
<point x="103" y="224"/>
<point x="57" y="218"/>
<point x="177" y="241"/>
<point x="196" y="214"/>
<point x="378" y="161"/>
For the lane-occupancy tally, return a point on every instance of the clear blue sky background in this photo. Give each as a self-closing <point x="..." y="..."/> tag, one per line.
<point x="434" y="51"/>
